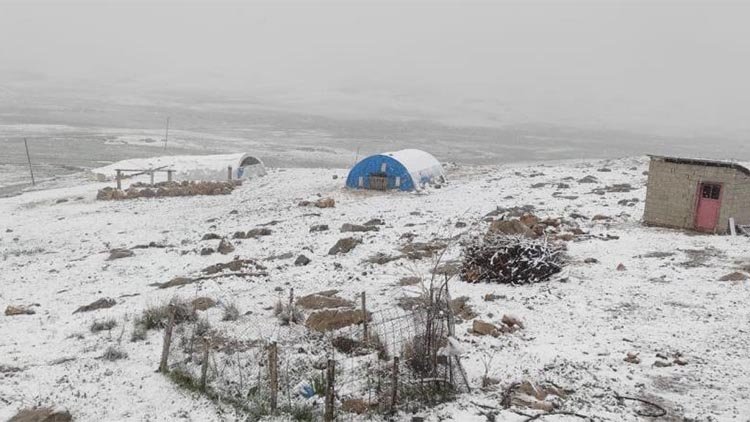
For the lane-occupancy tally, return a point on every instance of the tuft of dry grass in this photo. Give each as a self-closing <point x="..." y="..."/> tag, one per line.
<point x="113" y="353"/>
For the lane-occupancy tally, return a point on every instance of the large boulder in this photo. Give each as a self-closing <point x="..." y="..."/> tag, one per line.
<point x="324" y="300"/>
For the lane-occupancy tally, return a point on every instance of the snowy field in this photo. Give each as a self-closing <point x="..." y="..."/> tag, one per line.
<point x="579" y="327"/>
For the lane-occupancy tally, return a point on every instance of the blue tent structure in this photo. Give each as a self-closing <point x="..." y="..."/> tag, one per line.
<point x="409" y="169"/>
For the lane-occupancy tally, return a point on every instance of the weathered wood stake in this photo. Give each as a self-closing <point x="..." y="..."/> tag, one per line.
<point x="273" y="374"/>
<point x="229" y="173"/>
<point x="118" y="177"/>
<point x="394" y="383"/>
<point x="164" y="364"/>
<point x="365" y="328"/>
<point x="330" y="391"/>
<point x="204" y="364"/>
<point x="28" y="157"/>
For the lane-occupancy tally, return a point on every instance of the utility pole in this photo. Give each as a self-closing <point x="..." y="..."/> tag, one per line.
<point x="28" y="157"/>
<point x="166" y="135"/>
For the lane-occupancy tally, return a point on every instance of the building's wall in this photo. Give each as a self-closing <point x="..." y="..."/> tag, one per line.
<point x="671" y="194"/>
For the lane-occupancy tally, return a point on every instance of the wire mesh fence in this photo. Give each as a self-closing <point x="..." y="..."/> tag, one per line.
<point x="393" y="360"/>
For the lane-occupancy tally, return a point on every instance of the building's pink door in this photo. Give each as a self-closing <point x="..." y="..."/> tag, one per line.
<point x="708" y="207"/>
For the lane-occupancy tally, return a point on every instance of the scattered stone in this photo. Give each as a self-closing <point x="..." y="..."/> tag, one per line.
<point x="462" y="309"/>
<point x="175" y="282"/>
<point x="357" y="228"/>
<point x="235" y="265"/>
<point x="202" y="303"/>
<point x="538" y="185"/>
<point x="207" y="251"/>
<point x="211" y="236"/>
<point x="119" y="254"/>
<point x="590" y="261"/>
<point x="512" y="227"/>
<point x="604" y="170"/>
<point x="344" y="245"/>
<point x="225" y="247"/>
<point x="491" y="297"/>
<point x="259" y="232"/>
<point x="301" y="261"/>
<point x="381" y="258"/>
<point x="61" y="200"/>
<point x="460" y="225"/>
<point x="483" y="328"/>
<point x="600" y="217"/>
<point x="169" y="189"/>
<point x="621" y="267"/>
<point x="334" y="319"/>
<point x="632" y="357"/>
<point x="103" y="303"/>
<point x="409" y="281"/>
<point x="375" y="222"/>
<point x="662" y="364"/>
<point x="588" y="179"/>
<point x="419" y="250"/>
<point x="286" y="255"/>
<point x="18" y="310"/>
<point x="325" y="203"/>
<point x="319" y="228"/>
<point x="42" y="414"/>
<point x="512" y="321"/>
<point x="735" y="276"/>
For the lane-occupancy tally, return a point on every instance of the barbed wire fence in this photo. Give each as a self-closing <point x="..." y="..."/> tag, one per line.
<point x="394" y="360"/>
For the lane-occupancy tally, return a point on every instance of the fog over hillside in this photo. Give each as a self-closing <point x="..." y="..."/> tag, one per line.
<point x="658" y="68"/>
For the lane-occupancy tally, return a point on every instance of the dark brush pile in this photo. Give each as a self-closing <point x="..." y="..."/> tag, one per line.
<point x="499" y="258"/>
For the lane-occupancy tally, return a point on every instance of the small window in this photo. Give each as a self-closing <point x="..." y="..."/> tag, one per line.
<point x="383" y="167"/>
<point x="710" y="191"/>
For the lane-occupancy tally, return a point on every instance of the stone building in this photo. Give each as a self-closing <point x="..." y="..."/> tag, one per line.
<point x="697" y="194"/>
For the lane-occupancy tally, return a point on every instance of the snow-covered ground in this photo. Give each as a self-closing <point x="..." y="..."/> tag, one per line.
<point x="578" y="328"/>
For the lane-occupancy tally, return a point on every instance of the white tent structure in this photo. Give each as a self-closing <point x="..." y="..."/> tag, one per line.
<point x="408" y="169"/>
<point x="192" y="167"/>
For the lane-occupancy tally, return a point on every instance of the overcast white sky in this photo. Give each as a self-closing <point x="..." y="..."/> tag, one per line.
<point x="669" y="66"/>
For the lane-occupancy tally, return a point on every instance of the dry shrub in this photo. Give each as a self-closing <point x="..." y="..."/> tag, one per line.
<point x="156" y="317"/>
<point x="231" y="313"/>
<point x="113" y="353"/>
<point x="288" y="313"/>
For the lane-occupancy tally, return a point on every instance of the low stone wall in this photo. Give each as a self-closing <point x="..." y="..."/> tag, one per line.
<point x="168" y="189"/>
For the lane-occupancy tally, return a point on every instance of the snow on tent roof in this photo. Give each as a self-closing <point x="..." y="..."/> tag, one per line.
<point x="187" y="167"/>
<point x="417" y="161"/>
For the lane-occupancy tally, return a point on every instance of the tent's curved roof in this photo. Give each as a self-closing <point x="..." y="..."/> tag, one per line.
<point x="187" y="167"/>
<point x="418" y="163"/>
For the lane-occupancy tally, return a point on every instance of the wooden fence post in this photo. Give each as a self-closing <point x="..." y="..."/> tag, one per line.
<point x="291" y="297"/>
<point x="394" y="382"/>
<point x="28" y="157"/>
<point x="118" y="177"/>
<point x="273" y="374"/>
<point x="151" y="175"/>
<point x="229" y="173"/>
<point x="330" y="392"/>
<point x="169" y="175"/>
<point x="204" y="364"/>
<point x="365" y="328"/>
<point x="163" y="365"/>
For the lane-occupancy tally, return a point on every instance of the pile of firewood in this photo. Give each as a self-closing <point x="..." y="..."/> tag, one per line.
<point x="510" y="259"/>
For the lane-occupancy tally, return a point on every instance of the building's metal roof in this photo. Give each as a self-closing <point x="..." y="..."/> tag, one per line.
<point x="703" y="162"/>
